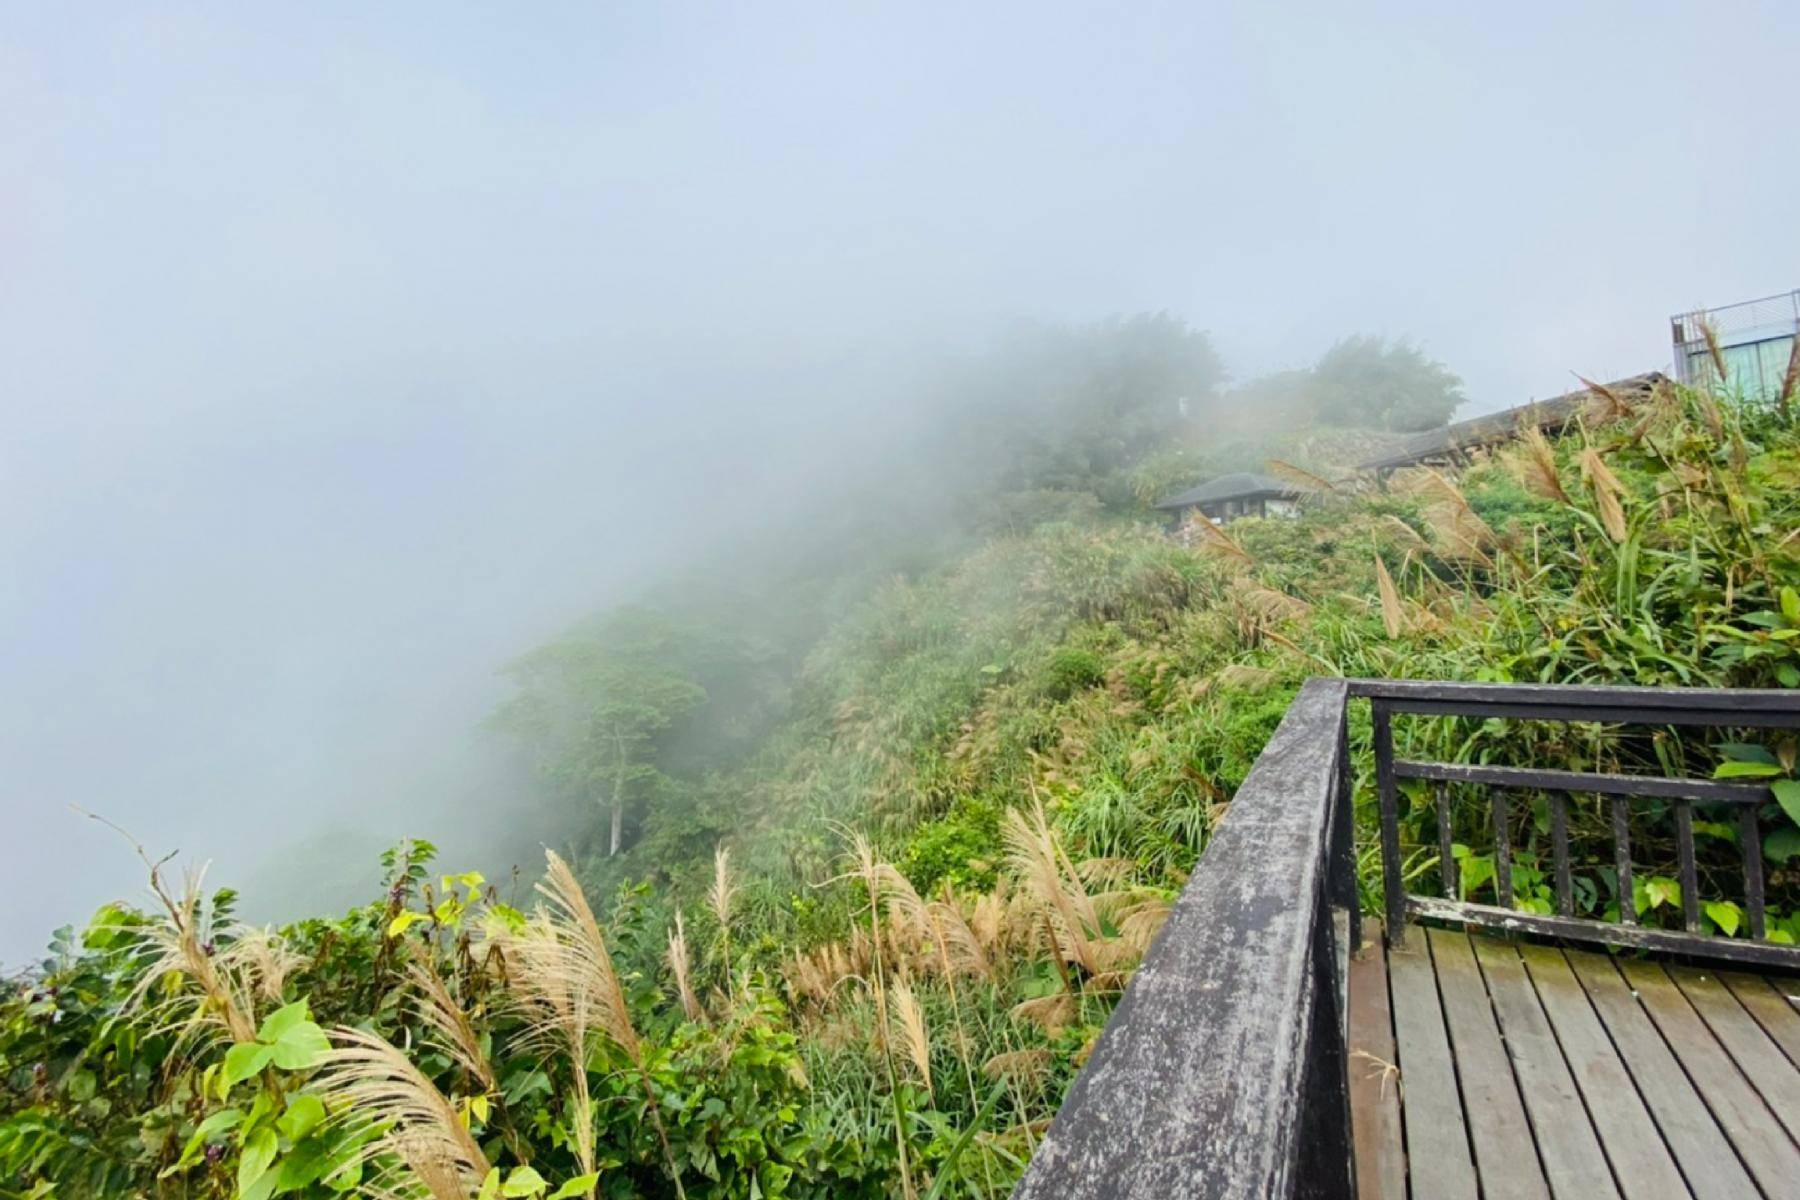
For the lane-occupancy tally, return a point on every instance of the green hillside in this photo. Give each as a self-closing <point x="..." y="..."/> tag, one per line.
<point x="882" y="825"/>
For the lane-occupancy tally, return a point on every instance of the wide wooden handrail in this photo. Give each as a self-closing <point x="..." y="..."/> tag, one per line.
<point x="1222" y="1071"/>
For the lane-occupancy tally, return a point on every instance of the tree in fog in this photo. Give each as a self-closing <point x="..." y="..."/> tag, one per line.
<point x="592" y="706"/>
<point x="1370" y="382"/>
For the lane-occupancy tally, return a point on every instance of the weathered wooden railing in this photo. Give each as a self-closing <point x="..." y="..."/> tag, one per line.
<point x="1223" y="1071"/>
<point x="1611" y="705"/>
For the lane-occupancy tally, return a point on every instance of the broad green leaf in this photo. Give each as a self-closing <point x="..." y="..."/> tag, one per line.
<point x="304" y="1113"/>
<point x="523" y="1182"/>
<point x="303" y="1165"/>
<point x="223" y="1121"/>
<point x="246" y="1059"/>
<point x="403" y="922"/>
<point x="1787" y="794"/>
<point x="1790" y="605"/>
<point x="1746" y="770"/>
<point x="282" y="1020"/>
<point x="1781" y="937"/>
<point x="490" y="1186"/>
<point x="1782" y="844"/>
<point x="259" y="1152"/>
<point x="480" y="1107"/>
<point x="1746" y="752"/>
<point x="578" y="1186"/>
<point x="300" y="1047"/>
<point x="1725" y="915"/>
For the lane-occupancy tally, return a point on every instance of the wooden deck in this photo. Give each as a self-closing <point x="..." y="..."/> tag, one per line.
<point x="1503" y="1069"/>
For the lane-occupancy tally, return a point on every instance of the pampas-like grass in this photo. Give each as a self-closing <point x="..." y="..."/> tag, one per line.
<point x="1017" y="1065"/>
<point x="183" y="942"/>
<point x="1537" y="465"/>
<point x="680" y="968"/>
<point x="568" y="989"/>
<point x="448" y="1026"/>
<point x="1607" y="405"/>
<point x="1052" y="1013"/>
<point x="909" y="1020"/>
<point x="1393" y="613"/>
<point x="1200" y="532"/>
<point x="1306" y="480"/>
<point x="1790" y="380"/>
<point x="1051" y="879"/>
<point x="383" y="1090"/>
<point x="1608" y="493"/>
<point x="1713" y="351"/>
<point x="718" y="898"/>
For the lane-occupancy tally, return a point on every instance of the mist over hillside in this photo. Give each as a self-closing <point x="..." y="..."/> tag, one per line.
<point x="351" y="354"/>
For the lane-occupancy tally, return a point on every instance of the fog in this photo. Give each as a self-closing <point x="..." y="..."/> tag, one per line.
<point x="349" y="351"/>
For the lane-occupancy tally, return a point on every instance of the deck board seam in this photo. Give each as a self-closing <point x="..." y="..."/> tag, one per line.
<point x="1571" y="1066"/>
<point x="1701" y="1092"/>
<point x="1724" y="1046"/>
<point x="1456" y="1072"/>
<point x="1512" y="1070"/>
<point x="1637" y="1084"/>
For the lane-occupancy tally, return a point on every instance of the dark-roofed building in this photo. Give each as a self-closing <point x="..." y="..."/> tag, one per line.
<point x="1239" y="495"/>
<point x="1454" y="443"/>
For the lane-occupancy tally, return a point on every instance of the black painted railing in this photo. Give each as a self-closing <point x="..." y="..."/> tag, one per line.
<point x="1645" y="707"/>
<point x="1223" y="1070"/>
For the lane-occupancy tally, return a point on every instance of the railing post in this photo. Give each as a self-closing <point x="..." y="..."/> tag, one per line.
<point x="1343" y="815"/>
<point x="1393" y="886"/>
<point x="1326" y="1166"/>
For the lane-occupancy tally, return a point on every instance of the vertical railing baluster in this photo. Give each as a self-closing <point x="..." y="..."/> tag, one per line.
<point x="1393" y="887"/>
<point x="1559" y="850"/>
<point x="1750" y="835"/>
<point x="1690" y="873"/>
<point x="1621" y="824"/>
<point x="1446" y="859"/>
<point x="1503" y="887"/>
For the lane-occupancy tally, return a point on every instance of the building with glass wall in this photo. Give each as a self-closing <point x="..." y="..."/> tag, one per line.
<point x="1755" y="341"/>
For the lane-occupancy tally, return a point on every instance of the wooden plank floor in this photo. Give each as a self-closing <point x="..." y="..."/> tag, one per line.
<point x="1487" y="1068"/>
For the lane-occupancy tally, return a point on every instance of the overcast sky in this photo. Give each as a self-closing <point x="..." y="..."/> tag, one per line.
<point x="345" y="349"/>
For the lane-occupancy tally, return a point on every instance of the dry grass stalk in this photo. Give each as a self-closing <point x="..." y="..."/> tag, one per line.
<point x="447" y="1025"/>
<point x="1272" y="605"/>
<point x="1306" y="480"/>
<point x="1537" y="466"/>
<point x="680" y="967"/>
<point x="1790" y="380"/>
<point x="914" y="1036"/>
<point x="1405" y="536"/>
<point x="1052" y="1013"/>
<point x="1393" y="613"/>
<point x="1140" y="923"/>
<point x="1038" y="861"/>
<point x="1200" y="532"/>
<point x="1244" y="677"/>
<point x="1607" y="404"/>
<point x="1459" y="532"/>
<point x="382" y="1088"/>
<point x="1713" y="351"/>
<point x="1608" y="493"/>
<point x="585" y="957"/>
<point x="270" y="960"/>
<point x="184" y="942"/>
<point x="1018" y="1065"/>
<point x="723" y="890"/>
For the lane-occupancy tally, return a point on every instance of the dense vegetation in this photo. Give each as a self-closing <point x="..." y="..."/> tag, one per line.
<point x="880" y="831"/>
